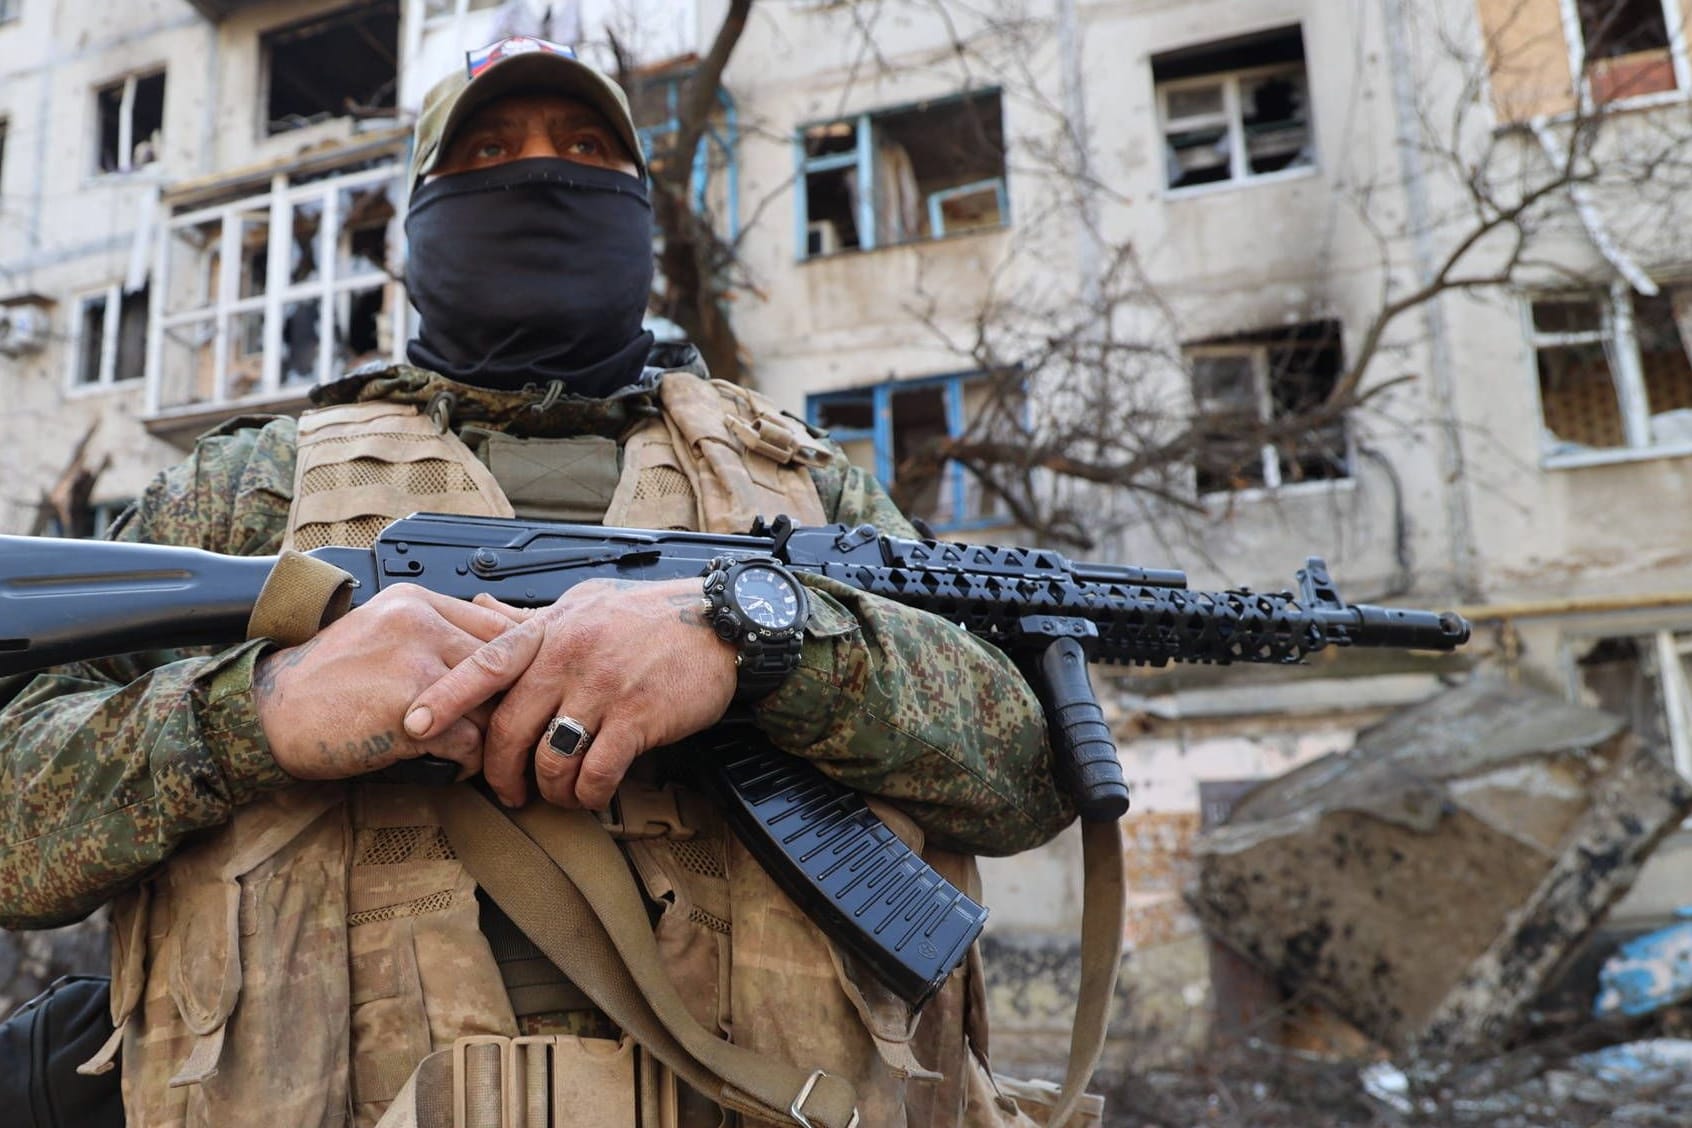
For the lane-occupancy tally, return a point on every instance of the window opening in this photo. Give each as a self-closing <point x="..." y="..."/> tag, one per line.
<point x="1235" y="110"/>
<point x="831" y="198"/>
<point x="1626" y="48"/>
<point x="1647" y="680"/>
<point x="130" y="362"/>
<point x="93" y="340"/>
<point x="903" y="176"/>
<point x="342" y="65"/>
<point x="890" y="429"/>
<point x="111" y="337"/>
<point x="89" y="522"/>
<point x="1242" y="384"/>
<point x="131" y="122"/>
<point x="1621" y="27"/>
<point x="1613" y="369"/>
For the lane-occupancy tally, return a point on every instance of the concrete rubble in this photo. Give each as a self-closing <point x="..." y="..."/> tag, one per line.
<point x="1427" y="884"/>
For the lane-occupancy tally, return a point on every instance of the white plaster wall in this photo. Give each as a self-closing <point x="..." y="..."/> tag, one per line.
<point x="648" y="31"/>
<point x="67" y="230"/>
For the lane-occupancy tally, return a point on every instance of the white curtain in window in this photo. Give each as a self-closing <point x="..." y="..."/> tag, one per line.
<point x="898" y="200"/>
<point x="1681" y="299"/>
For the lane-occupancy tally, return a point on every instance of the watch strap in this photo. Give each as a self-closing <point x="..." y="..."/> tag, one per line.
<point x="765" y="663"/>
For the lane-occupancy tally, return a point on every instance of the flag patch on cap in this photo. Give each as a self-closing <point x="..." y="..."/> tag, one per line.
<point x="481" y="59"/>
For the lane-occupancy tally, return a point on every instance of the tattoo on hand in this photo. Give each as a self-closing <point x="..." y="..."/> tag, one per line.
<point x="690" y="609"/>
<point x="270" y="667"/>
<point x="356" y="757"/>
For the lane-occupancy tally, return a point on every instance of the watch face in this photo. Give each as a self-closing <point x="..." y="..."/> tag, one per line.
<point x="767" y="597"/>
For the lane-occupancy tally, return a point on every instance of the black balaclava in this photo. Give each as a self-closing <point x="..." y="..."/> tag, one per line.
<point x="529" y="272"/>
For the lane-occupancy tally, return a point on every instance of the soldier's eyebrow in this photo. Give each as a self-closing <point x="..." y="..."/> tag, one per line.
<point x="576" y="116"/>
<point x="493" y="121"/>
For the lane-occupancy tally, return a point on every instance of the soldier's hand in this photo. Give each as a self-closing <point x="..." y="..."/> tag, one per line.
<point x="635" y="662"/>
<point x="333" y="707"/>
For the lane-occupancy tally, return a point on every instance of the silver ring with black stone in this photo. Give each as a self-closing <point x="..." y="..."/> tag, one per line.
<point x="568" y="737"/>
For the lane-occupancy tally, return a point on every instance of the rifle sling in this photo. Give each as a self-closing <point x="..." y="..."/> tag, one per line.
<point x="559" y="876"/>
<point x="1104" y="915"/>
<point x="645" y="1001"/>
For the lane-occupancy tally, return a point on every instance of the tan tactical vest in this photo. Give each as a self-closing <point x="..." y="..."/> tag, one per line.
<point x="296" y="966"/>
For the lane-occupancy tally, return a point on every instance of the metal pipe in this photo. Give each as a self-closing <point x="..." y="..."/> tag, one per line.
<point x="1574" y="605"/>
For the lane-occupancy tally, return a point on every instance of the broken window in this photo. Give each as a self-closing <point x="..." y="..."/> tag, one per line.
<point x="89" y="522"/>
<point x="1243" y="386"/>
<point x="903" y="175"/>
<point x="341" y="65"/>
<point x="1626" y="47"/>
<point x="1614" y="371"/>
<point x="254" y="288"/>
<point x="1235" y="110"/>
<point x="893" y="429"/>
<point x="655" y="95"/>
<point x="110" y="338"/>
<point x="131" y="120"/>
<point x="1647" y="681"/>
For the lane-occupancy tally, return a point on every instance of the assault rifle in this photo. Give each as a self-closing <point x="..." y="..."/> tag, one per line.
<point x="70" y="600"/>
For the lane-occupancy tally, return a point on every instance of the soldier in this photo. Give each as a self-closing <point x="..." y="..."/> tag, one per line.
<point x="295" y="944"/>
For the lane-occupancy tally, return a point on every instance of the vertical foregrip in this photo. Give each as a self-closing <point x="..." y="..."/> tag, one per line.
<point x="1087" y="762"/>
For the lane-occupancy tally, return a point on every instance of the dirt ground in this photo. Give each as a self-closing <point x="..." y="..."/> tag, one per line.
<point x="1584" y="1079"/>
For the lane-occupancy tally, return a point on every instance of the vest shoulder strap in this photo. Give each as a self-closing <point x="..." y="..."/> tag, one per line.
<point x="741" y="457"/>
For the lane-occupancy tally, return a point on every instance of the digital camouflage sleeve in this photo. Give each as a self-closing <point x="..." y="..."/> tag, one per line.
<point x="106" y="766"/>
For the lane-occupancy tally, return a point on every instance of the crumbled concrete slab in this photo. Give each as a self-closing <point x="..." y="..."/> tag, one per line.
<point x="1425" y="884"/>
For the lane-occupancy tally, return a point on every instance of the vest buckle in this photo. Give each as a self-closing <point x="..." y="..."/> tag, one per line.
<point x="796" y="1109"/>
<point x="640" y="811"/>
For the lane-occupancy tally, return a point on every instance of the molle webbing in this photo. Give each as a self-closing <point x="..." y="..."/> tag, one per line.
<point x="363" y="465"/>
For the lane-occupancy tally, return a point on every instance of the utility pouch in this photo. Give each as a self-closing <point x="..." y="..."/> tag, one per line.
<point x="43" y="1042"/>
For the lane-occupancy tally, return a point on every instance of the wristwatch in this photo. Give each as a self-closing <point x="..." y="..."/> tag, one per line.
<point x="759" y="606"/>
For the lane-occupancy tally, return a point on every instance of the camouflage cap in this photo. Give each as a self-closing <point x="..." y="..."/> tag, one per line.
<point x="518" y="63"/>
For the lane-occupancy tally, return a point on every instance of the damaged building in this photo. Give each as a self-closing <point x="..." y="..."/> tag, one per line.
<point x="200" y="217"/>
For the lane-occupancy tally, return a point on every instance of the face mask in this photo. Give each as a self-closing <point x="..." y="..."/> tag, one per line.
<point x="529" y="272"/>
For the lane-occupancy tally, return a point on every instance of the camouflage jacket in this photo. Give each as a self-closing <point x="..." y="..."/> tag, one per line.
<point x="105" y="767"/>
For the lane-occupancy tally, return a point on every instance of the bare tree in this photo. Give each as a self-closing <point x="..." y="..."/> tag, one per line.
<point x="697" y="266"/>
<point x="1092" y="384"/>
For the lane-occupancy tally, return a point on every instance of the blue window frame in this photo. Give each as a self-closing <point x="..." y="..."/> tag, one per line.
<point x="90" y="522"/>
<point x="725" y="140"/>
<point x="881" y="424"/>
<point x="933" y="170"/>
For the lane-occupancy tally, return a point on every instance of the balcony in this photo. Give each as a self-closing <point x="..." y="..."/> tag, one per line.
<point x="219" y="10"/>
